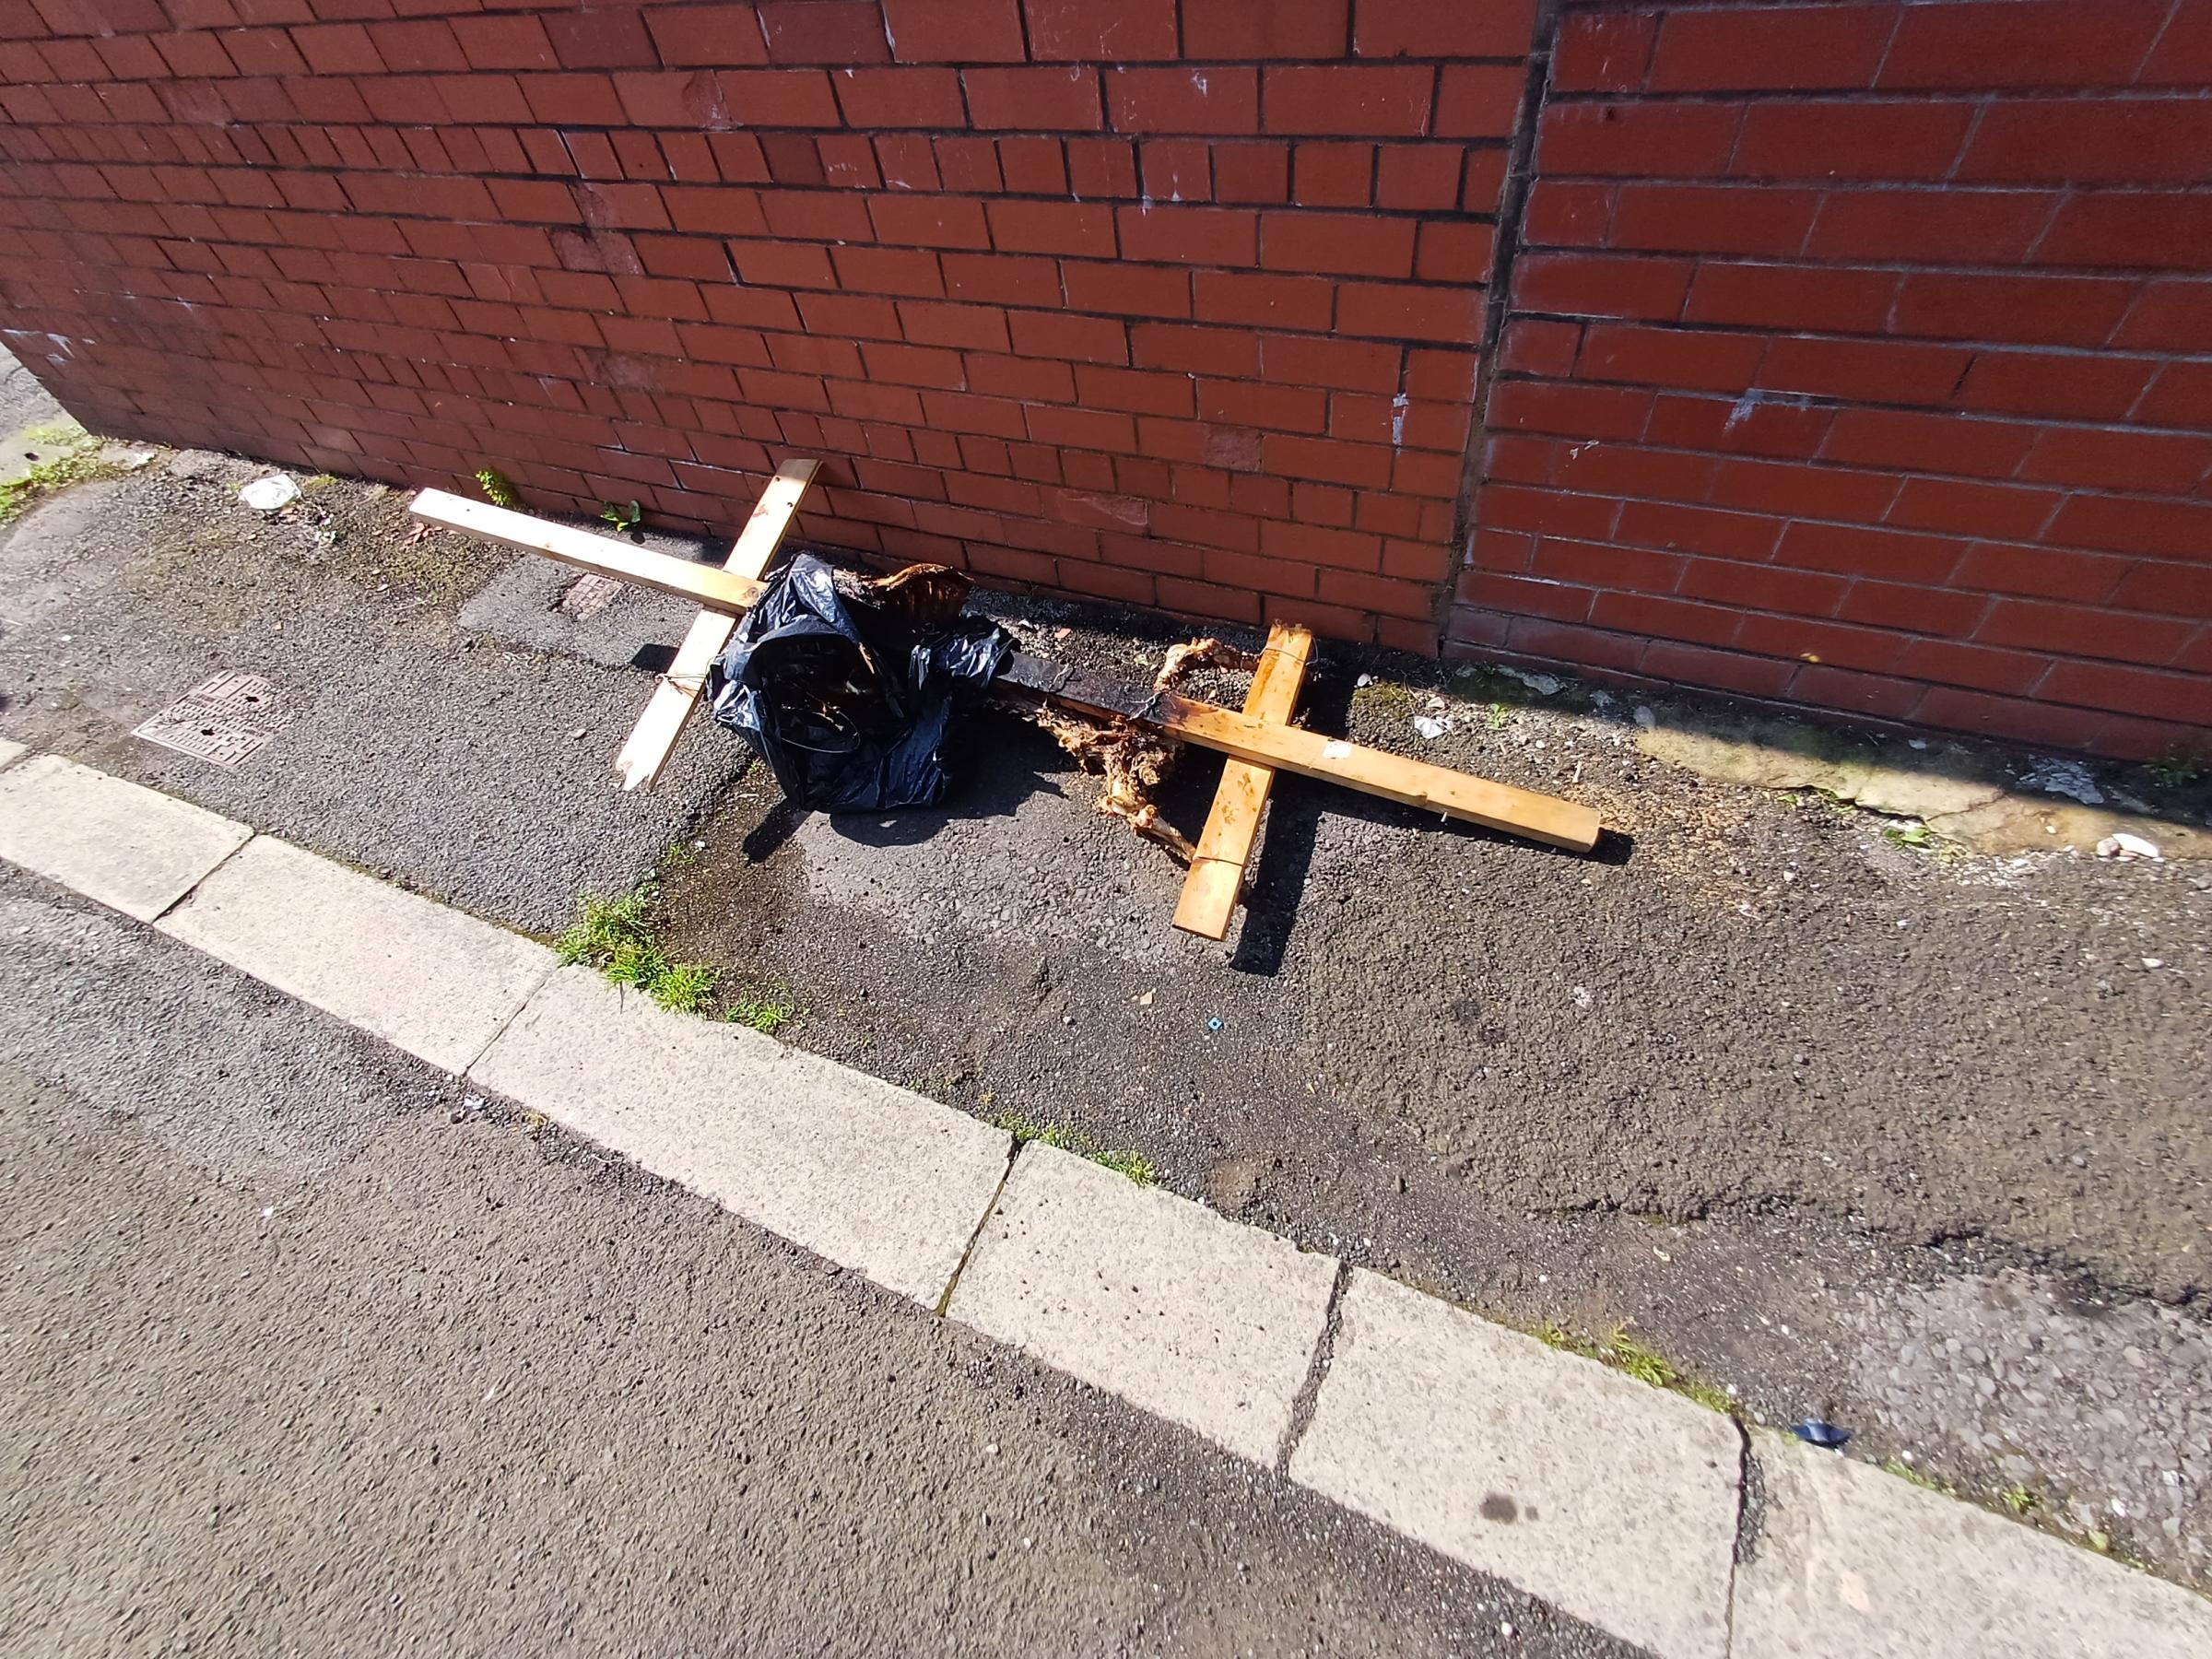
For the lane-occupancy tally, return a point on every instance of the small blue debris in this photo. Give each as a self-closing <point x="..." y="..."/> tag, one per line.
<point x="1813" y="1432"/>
<point x="1214" y="1024"/>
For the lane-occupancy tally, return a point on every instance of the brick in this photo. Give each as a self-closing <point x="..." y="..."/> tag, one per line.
<point x="1278" y="29"/>
<point x="1765" y="587"/>
<point x="1636" y="140"/>
<point x="1810" y="491"/>
<point x="1457" y="252"/>
<point x="1603" y="52"/>
<point x="955" y="32"/>
<point x="1861" y="550"/>
<point x="1576" y="412"/>
<point x="2040" y="723"/>
<point x="1333" y="175"/>
<point x="911" y="272"/>
<point x="965" y="327"/>
<point x="2169" y="315"/>
<point x="1568" y="215"/>
<point x="1339" y="364"/>
<point x="1703" y="360"/>
<point x="1084" y="228"/>
<point x="900" y="98"/>
<point x="1410" y="313"/>
<point x="1790" y="297"/>
<point x="1980" y="226"/>
<point x="2103" y="140"/>
<point x="1982" y="667"/>
<point x="1602" y="285"/>
<point x="780" y="98"/>
<point x="1061" y="334"/>
<point x="1252" y="172"/>
<point x="614" y="39"/>
<point x="1731" y="50"/>
<point x="1866" y="371"/>
<point x="1927" y="610"/>
<point x="1479" y="100"/>
<point x="1128" y="290"/>
<point x="2153" y="462"/>
<point x="1223" y="101"/>
<point x="2172" y="232"/>
<point x="836" y="32"/>
<point x="1928" y="443"/>
<point x="1036" y="99"/>
<point x="2027" y="44"/>
<point x="1444" y="29"/>
<point x="1002" y="279"/>
<point x="2181" y="396"/>
<point x="1701" y="218"/>
<point x="1690" y="529"/>
<point x="1305" y="302"/>
<point x="1101" y="167"/>
<point x="1555" y="600"/>
<point x="717" y="37"/>
<point x="2054" y="310"/>
<point x="1177" y="169"/>
<point x="1347" y="101"/>
<point x="1910" y="142"/>
<point x="1547" y="511"/>
<point x="934" y="221"/>
<point x="2074" y="629"/>
<point x="1213" y="236"/>
<point x="1418" y="178"/>
<point x="1336" y="243"/>
<point x="339" y="49"/>
<point x="2183" y="55"/>
<point x="2040" y="573"/>
<point x="1532" y="345"/>
<point x="2167" y="589"/>
<point x="1972" y="509"/>
<point x="1087" y="31"/>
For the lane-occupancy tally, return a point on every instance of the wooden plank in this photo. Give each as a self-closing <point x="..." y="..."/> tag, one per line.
<point x="1241" y="736"/>
<point x="1217" y="874"/>
<point x="647" y="750"/>
<point x="641" y="567"/>
<point x="1371" y="772"/>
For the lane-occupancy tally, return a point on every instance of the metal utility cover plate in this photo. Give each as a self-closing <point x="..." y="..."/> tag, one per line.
<point x="222" y="721"/>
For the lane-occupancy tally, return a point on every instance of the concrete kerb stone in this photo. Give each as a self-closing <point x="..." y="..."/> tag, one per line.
<point x="882" y="1180"/>
<point x="422" y="976"/>
<point x="1850" y="1563"/>
<point x="1614" y="1502"/>
<point x="1149" y="1296"/>
<point x="1617" y="1502"/>
<point x="134" y="849"/>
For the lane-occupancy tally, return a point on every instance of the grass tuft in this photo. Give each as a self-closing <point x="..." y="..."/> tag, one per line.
<point x="766" y="1012"/>
<point x="616" y="936"/>
<point x="1025" y="1129"/>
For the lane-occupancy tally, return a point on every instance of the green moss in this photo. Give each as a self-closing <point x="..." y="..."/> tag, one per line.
<point x="766" y="1012"/>
<point x="55" y="473"/>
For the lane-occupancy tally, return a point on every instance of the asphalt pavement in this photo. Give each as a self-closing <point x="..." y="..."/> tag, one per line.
<point x="309" y="1351"/>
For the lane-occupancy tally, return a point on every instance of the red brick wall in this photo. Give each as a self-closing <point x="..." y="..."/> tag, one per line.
<point x="1856" y="354"/>
<point x="1170" y="301"/>
<point x="1861" y="354"/>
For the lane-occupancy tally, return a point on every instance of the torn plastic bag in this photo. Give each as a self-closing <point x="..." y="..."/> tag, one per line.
<point x="848" y="688"/>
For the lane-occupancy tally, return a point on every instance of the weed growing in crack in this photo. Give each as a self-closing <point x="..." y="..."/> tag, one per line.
<point x="2176" y="769"/>
<point x="1646" y="1364"/>
<point x="1025" y="1129"/>
<point x="1906" y="1472"/>
<point x="766" y="1012"/>
<point x="2019" y="1498"/>
<point x="615" y="936"/>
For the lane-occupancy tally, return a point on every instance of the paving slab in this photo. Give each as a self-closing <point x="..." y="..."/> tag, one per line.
<point x="427" y="978"/>
<point x="874" y="1177"/>
<point x="1613" y="1501"/>
<point x="1848" y="1562"/>
<point x="134" y="849"/>
<point x="1150" y="1297"/>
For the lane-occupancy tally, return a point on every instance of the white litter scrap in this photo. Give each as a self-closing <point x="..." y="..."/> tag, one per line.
<point x="1431" y="727"/>
<point x="1543" y="684"/>
<point x="265" y="495"/>
<point x="2125" y="847"/>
